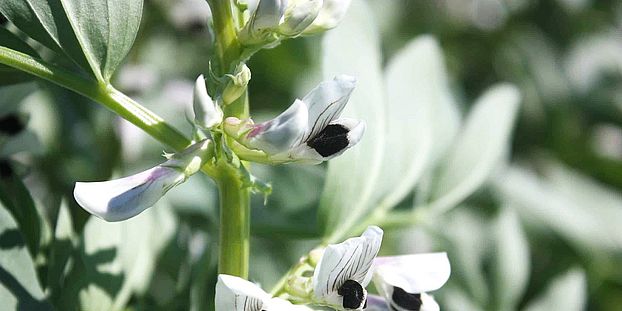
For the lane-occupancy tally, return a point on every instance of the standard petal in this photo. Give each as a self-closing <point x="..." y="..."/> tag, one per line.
<point x="428" y="303"/>
<point x="206" y="113"/>
<point x="299" y="15"/>
<point x="349" y="260"/>
<point x="120" y="199"/>
<point x="281" y="133"/>
<point x="413" y="273"/>
<point x="236" y="294"/>
<point x="326" y="102"/>
<point x="267" y="15"/>
<point x="331" y="14"/>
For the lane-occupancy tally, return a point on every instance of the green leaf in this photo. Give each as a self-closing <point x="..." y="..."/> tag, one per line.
<point x="567" y="292"/>
<point x="105" y="30"/>
<point x="354" y="49"/>
<point x="62" y="248"/>
<point x="511" y="263"/>
<point x="9" y="75"/>
<point x="417" y="89"/>
<point x="97" y="35"/>
<point x="479" y="148"/>
<point x="17" y="200"/>
<point x="19" y="287"/>
<point x="578" y="209"/>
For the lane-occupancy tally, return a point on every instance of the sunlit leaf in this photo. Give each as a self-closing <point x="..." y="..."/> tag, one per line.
<point x="97" y="35"/>
<point x="9" y="75"/>
<point x="353" y="48"/>
<point x="19" y="287"/>
<point x="567" y="292"/>
<point x="479" y="148"/>
<point x="511" y="261"/>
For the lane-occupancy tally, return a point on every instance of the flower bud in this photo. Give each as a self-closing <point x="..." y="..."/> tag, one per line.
<point x="330" y="15"/>
<point x="207" y="113"/>
<point x="236" y="83"/>
<point x="299" y="15"/>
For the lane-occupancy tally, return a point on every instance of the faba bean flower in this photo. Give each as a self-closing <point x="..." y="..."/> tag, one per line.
<point x="345" y="270"/>
<point x="309" y="131"/>
<point x="271" y="20"/>
<point x="236" y="294"/>
<point x="123" y="198"/>
<point x="404" y="280"/>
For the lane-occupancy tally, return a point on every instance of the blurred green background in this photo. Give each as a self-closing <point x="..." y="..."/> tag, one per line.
<point x="560" y="246"/>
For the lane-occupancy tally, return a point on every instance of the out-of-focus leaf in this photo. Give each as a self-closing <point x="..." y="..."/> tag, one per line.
<point x="467" y="247"/>
<point x="511" y="261"/>
<point x="589" y="227"/>
<point x="566" y="292"/>
<point x="11" y="96"/>
<point x="16" y="198"/>
<point x="19" y="287"/>
<point x="478" y="149"/>
<point x="95" y="34"/>
<point x="414" y="84"/>
<point x="9" y="75"/>
<point x="457" y="300"/>
<point x="61" y="250"/>
<point x="105" y="29"/>
<point x="353" y="48"/>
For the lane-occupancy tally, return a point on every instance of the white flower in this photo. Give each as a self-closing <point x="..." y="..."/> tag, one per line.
<point x="207" y="113"/>
<point x="123" y="198"/>
<point x="236" y="294"/>
<point x="404" y="280"/>
<point x="345" y="269"/>
<point x="300" y="14"/>
<point x="330" y="16"/>
<point x="309" y="131"/>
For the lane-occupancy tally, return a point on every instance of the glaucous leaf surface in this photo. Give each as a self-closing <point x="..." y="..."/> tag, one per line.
<point x="353" y="48"/>
<point x="19" y="287"/>
<point x="17" y="200"/>
<point x="9" y="75"/>
<point x="479" y="148"/>
<point x="511" y="262"/>
<point x="95" y="34"/>
<point x="566" y="292"/>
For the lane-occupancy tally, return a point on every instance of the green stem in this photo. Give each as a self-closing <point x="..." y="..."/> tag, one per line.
<point x="234" y="223"/>
<point x="228" y="48"/>
<point x="103" y="94"/>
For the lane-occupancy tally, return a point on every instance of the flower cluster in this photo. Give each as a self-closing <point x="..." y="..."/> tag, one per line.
<point x="269" y="21"/>
<point x="340" y="277"/>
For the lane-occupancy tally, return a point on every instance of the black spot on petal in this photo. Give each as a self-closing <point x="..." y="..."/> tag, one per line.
<point x="11" y="124"/>
<point x="331" y="140"/>
<point x="405" y="300"/>
<point x="353" y="294"/>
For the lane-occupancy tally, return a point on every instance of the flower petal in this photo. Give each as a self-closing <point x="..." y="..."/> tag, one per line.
<point x="413" y="273"/>
<point x="120" y="199"/>
<point x="376" y="303"/>
<point x="267" y="15"/>
<point x="349" y="260"/>
<point x="236" y="294"/>
<point x="281" y="133"/>
<point x="326" y="102"/>
<point x="206" y="113"/>
<point x="331" y="14"/>
<point x="299" y="15"/>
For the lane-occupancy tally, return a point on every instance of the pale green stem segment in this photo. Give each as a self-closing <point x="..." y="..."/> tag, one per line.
<point x="234" y="222"/>
<point x="234" y="241"/>
<point x="106" y="95"/>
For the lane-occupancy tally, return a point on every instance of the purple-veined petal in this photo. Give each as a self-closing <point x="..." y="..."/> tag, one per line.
<point x="349" y="260"/>
<point x="236" y="294"/>
<point x="123" y="198"/>
<point x="326" y="102"/>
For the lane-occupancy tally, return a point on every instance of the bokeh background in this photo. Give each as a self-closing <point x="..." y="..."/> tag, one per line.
<point x="544" y="233"/>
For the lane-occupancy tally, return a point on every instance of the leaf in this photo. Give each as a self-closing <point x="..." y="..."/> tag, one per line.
<point x="11" y="96"/>
<point x="566" y="292"/>
<point x="573" y="208"/>
<point x="478" y="149"/>
<point x="97" y="35"/>
<point x="512" y="261"/>
<point x="354" y="49"/>
<point x="17" y="200"/>
<point x="9" y="75"/>
<point x="417" y="89"/>
<point x="19" y="287"/>
<point x="61" y="250"/>
<point x="105" y="30"/>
